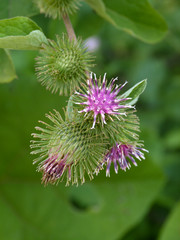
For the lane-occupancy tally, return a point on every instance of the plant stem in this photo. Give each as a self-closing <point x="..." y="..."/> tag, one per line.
<point x="69" y="27"/>
<point x="70" y="32"/>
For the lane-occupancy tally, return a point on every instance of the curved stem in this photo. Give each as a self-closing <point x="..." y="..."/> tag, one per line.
<point x="69" y="27"/>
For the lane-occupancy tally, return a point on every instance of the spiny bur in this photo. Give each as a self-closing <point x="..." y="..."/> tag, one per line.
<point x="62" y="65"/>
<point x="57" y="8"/>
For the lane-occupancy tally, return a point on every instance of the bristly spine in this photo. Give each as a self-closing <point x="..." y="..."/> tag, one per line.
<point x="67" y="148"/>
<point x="62" y="65"/>
<point x="57" y="8"/>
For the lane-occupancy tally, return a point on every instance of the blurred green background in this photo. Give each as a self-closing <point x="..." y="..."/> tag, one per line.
<point x="143" y="203"/>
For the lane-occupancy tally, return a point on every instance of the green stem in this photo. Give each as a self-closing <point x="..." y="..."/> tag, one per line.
<point x="69" y="27"/>
<point x="70" y="31"/>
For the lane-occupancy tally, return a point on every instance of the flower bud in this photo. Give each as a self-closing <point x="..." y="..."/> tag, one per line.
<point x="57" y="8"/>
<point x="62" y="66"/>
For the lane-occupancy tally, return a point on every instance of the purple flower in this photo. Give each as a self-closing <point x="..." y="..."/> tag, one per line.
<point x="119" y="154"/>
<point x="54" y="167"/>
<point x="102" y="99"/>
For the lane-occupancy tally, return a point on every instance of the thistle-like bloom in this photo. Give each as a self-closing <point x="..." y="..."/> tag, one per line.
<point x="54" y="167"/>
<point x="62" y="66"/>
<point x="102" y="99"/>
<point x="122" y="153"/>
<point x="68" y="148"/>
<point x="57" y="8"/>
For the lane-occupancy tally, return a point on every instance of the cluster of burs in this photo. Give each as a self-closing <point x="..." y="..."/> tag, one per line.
<point x="99" y="126"/>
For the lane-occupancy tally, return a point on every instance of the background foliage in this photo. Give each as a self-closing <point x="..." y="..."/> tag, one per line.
<point x="142" y="203"/>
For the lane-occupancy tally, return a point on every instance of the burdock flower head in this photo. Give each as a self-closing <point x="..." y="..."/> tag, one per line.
<point x="101" y="100"/>
<point x="122" y="154"/>
<point x="62" y="65"/>
<point x="70" y="149"/>
<point x="57" y="8"/>
<point x="67" y="148"/>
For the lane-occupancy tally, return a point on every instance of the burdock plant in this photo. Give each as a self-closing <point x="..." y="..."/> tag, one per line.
<point x="100" y="126"/>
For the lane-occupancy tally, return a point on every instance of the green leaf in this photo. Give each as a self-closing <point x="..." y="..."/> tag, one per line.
<point x="135" y="92"/>
<point x="171" y="229"/>
<point x="15" y="8"/>
<point x="21" y="33"/>
<point x="172" y="139"/>
<point x="137" y="18"/>
<point x="100" y="8"/>
<point x="7" y="71"/>
<point x="37" y="212"/>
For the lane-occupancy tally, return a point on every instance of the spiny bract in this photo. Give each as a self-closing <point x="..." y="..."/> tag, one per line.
<point x="67" y="148"/>
<point x="57" y="8"/>
<point x="62" y="66"/>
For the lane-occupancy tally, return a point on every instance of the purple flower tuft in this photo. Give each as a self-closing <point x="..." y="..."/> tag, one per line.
<point x="119" y="154"/>
<point x="54" y="167"/>
<point x="102" y="100"/>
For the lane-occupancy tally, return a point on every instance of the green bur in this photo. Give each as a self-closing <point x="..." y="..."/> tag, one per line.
<point x="57" y="8"/>
<point x="68" y="148"/>
<point x="62" y="66"/>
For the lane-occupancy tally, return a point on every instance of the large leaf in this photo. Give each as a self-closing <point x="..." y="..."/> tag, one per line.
<point x="172" y="139"/>
<point x="135" y="92"/>
<point x="7" y="71"/>
<point x="15" y="8"/>
<point x="137" y="18"/>
<point x="105" y="209"/>
<point x="171" y="229"/>
<point x="21" y="33"/>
